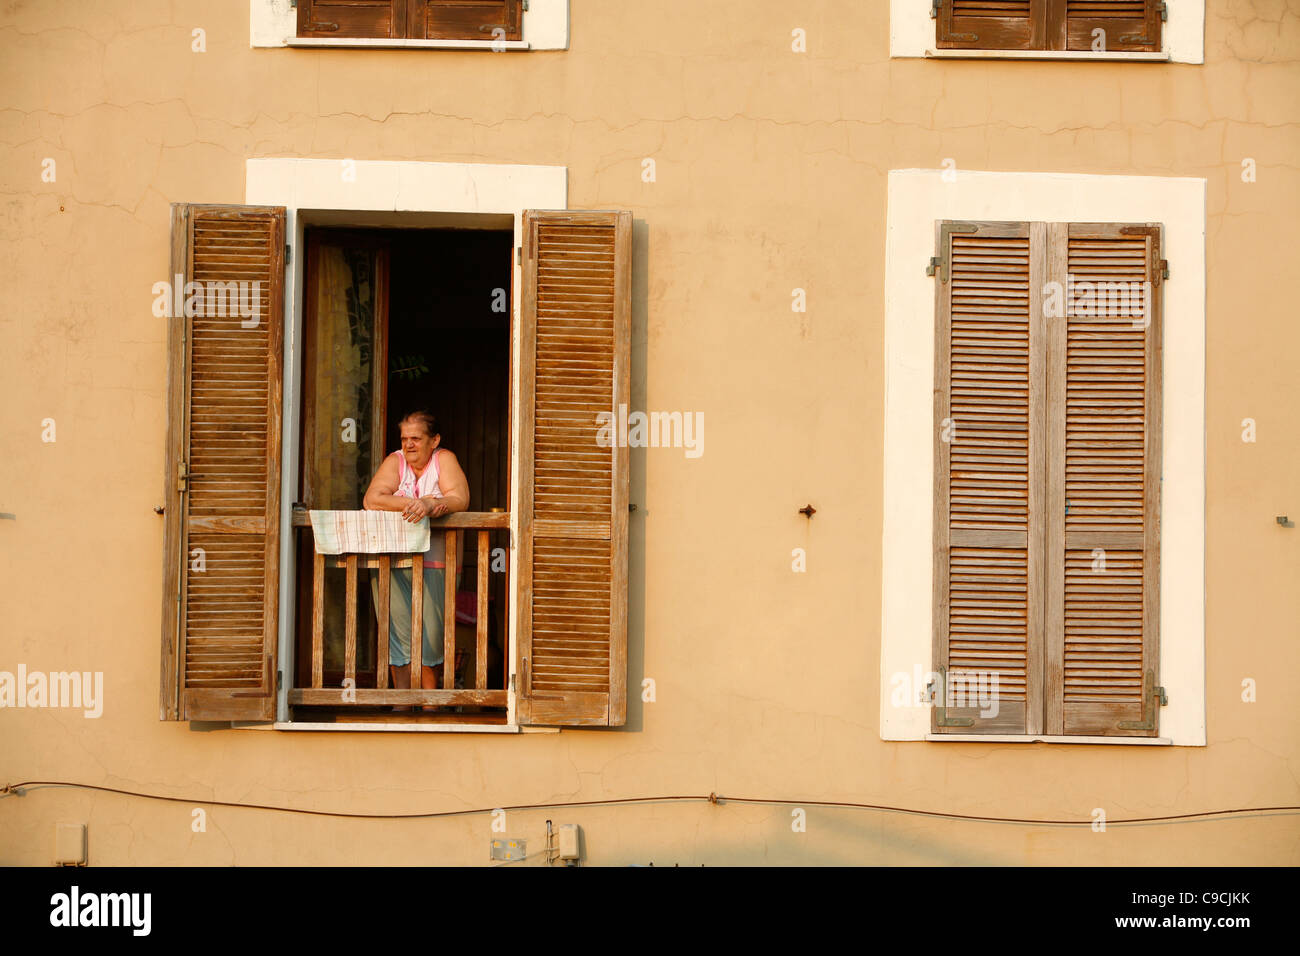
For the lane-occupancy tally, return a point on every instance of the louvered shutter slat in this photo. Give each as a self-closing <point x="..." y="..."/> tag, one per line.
<point x="221" y="565"/>
<point x="353" y="19"/>
<point x="574" y="493"/>
<point x="1106" y="477"/>
<point x="1127" y="25"/>
<point x="987" y="470"/>
<point x="468" y="19"/>
<point x="991" y="24"/>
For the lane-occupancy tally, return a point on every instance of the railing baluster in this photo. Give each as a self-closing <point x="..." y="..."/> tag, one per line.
<point x="417" y="617"/>
<point x="355" y="564"/>
<point x="452" y="539"/>
<point x="350" y="623"/>
<point x="480" y="663"/>
<point x="318" y="622"/>
<point x="381" y="665"/>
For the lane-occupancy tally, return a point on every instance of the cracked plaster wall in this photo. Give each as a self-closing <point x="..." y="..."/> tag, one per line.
<point x="771" y="175"/>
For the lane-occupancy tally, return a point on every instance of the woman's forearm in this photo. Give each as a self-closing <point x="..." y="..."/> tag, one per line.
<point x="453" y="502"/>
<point x="378" y="502"/>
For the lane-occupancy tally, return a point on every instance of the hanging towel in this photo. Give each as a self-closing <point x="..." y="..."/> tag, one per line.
<point x="368" y="532"/>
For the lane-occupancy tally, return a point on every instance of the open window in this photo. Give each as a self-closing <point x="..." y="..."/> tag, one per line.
<point x="395" y="319"/>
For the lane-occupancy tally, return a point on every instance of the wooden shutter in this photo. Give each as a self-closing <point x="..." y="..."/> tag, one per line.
<point x="991" y="24"/>
<point x="573" y="493"/>
<point x="1129" y="25"/>
<point x="347" y="19"/>
<point x="989" y="430"/>
<point x="221" y="559"/>
<point x="467" y="19"/>
<point x="1104" y="478"/>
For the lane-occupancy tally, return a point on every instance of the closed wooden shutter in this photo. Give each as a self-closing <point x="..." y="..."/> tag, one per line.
<point x="468" y="19"/>
<point x="989" y="429"/>
<point x="1128" y="25"/>
<point x="573" y="492"/>
<point x="348" y="19"/>
<point x="221" y="559"/>
<point x="991" y="24"/>
<point x="1104" y="480"/>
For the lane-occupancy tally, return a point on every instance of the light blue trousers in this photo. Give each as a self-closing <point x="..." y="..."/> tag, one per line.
<point x="399" y="615"/>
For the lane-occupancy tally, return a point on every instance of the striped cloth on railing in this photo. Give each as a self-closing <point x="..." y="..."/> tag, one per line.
<point x="368" y="532"/>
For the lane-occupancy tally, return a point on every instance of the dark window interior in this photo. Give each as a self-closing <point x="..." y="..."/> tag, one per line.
<point x="431" y="309"/>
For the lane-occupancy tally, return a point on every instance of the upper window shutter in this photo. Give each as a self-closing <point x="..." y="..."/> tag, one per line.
<point x="467" y="19"/>
<point x="222" y="542"/>
<point x="573" y="488"/>
<point x="1126" y="25"/>
<point x="353" y="18"/>
<point x="991" y="24"/>
<point x="1104" y="462"/>
<point x="988" y="450"/>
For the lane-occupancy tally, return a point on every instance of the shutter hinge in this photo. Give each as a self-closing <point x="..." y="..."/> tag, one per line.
<point x="1164" y="10"/>
<point x="939" y="265"/>
<point x="1153" y="698"/>
<point x="279" y="679"/>
<point x="525" y="6"/>
<point x="514" y="684"/>
<point x="934" y="8"/>
<point x="519" y="256"/>
<point x="181" y="475"/>
<point x="1164" y="268"/>
<point x="288" y="253"/>
<point x="941" y="718"/>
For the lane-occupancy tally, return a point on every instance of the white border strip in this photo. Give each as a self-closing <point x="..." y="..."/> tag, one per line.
<point x="919" y="197"/>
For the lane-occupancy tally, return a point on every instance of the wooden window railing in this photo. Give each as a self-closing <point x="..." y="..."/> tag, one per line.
<point x="452" y="526"/>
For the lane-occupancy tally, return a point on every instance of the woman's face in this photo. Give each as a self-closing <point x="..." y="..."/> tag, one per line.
<point x="417" y="445"/>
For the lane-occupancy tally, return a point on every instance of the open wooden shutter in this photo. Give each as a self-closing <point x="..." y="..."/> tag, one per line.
<point x="353" y="18"/>
<point x="1103" y="532"/>
<point x="989" y="429"/>
<point x="467" y="19"/>
<point x="573" y="491"/>
<point x="221" y="559"/>
<point x="991" y="24"/>
<point x="1129" y="25"/>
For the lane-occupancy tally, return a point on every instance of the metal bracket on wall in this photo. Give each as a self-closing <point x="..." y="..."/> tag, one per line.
<point x="941" y="264"/>
<point x="1153" y="698"/>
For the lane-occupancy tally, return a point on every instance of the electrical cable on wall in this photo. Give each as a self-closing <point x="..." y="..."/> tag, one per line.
<point x="714" y="798"/>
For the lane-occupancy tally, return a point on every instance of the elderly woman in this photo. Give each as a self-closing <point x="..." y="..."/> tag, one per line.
<point x="422" y="480"/>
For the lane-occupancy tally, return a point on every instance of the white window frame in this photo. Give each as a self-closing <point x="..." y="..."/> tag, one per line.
<point x="385" y="193"/>
<point x="918" y="198"/>
<point x="1182" y="37"/>
<point x="274" y="23"/>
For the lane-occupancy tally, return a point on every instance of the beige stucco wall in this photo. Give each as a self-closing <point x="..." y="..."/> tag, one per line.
<point x="771" y="175"/>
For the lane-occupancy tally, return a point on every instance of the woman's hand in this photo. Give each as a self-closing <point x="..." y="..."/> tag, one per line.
<point x="417" y="509"/>
<point x="436" y="507"/>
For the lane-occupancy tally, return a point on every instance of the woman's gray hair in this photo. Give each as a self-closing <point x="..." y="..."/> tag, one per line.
<point x="425" y="417"/>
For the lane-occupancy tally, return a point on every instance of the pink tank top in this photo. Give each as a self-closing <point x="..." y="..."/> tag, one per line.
<point x="425" y="485"/>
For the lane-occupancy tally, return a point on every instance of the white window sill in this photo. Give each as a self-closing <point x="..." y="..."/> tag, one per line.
<point x="1035" y="739"/>
<point x="394" y="727"/>
<point x="1044" y="55"/>
<point x="364" y="43"/>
